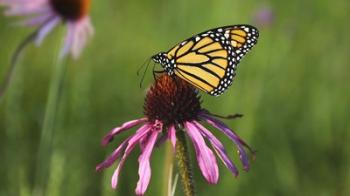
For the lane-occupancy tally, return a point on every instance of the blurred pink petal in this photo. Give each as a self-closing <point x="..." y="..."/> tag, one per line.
<point x="35" y="21"/>
<point x="46" y="15"/>
<point x="20" y="9"/>
<point x="46" y="29"/>
<point x="82" y="31"/>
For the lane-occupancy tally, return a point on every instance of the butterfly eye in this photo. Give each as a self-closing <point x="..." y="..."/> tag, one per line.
<point x="155" y="58"/>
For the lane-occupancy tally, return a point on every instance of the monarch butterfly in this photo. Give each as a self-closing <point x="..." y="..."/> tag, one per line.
<point x="209" y="60"/>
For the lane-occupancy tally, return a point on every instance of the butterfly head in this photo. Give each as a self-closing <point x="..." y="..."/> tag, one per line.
<point x="164" y="61"/>
<point x="159" y="58"/>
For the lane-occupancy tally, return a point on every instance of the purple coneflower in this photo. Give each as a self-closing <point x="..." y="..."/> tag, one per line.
<point x="47" y="14"/>
<point x="173" y="106"/>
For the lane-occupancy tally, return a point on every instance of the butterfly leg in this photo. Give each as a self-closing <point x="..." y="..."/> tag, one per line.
<point x="231" y="116"/>
<point x="155" y="73"/>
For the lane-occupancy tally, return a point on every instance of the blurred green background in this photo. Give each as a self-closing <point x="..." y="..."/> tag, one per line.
<point x="292" y="88"/>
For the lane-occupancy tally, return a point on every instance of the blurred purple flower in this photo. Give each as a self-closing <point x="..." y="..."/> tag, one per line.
<point x="172" y="105"/>
<point x="47" y="14"/>
<point x="264" y="16"/>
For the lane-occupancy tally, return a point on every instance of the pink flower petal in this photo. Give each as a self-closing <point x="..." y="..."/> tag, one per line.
<point x="21" y="8"/>
<point x="233" y="136"/>
<point x="157" y="125"/>
<point x="113" y="157"/>
<point x="144" y="141"/>
<point x="172" y="136"/>
<point x="68" y="41"/>
<point x="144" y="160"/>
<point x="35" y="21"/>
<point x="82" y="31"/>
<point x="141" y="132"/>
<point x="46" y="29"/>
<point x="205" y="157"/>
<point x="219" y="148"/>
<point x="41" y="13"/>
<point x="122" y="128"/>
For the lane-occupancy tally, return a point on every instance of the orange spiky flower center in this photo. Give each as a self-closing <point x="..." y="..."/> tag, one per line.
<point x="171" y="100"/>
<point x="71" y="9"/>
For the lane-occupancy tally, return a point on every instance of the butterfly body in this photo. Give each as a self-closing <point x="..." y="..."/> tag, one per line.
<point x="209" y="60"/>
<point x="168" y="64"/>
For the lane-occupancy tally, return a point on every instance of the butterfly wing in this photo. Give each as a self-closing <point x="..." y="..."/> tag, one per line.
<point x="209" y="59"/>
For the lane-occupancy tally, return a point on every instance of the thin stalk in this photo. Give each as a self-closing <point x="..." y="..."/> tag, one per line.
<point x="14" y="61"/>
<point x="16" y="55"/>
<point x="46" y="140"/>
<point x="183" y="163"/>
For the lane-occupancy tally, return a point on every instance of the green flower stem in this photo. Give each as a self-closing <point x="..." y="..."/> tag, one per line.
<point x="46" y="140"/>
<point x="168" y="168"/>
<point x="183" y="163"/>
<point x="14" y="61"/>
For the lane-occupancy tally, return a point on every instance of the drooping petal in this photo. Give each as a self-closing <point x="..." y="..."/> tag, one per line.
<point x="205" y="157"/>
<point x="131" y="144"/>
<point x="46" y="29"/>
<point x="122" y="128"/>
<point x="22" y="2"/>
<point x="113" y="157"/>
<point x="20" y="8"/>
<point x="144" y="141"/>
<point x="82" y="31"/>
<point x="35" y="21"/>
<point x="69" y="39"/>
<point x="172" y="136"/>
<point x="233" y="136"/>
<point x="144" y="161"/>
<point x="219" y="148"/>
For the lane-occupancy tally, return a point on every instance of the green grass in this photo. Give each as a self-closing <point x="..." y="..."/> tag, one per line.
<point x="292" y="89"/>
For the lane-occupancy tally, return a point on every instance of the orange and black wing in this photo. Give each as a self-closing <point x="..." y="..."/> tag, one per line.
<point x="208" y="60"/>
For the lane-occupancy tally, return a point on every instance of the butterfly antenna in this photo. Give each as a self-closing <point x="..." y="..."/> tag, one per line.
<point x="143" y="64"/>
<point x="144" y="73"/>
<point x="14" y="59"/>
